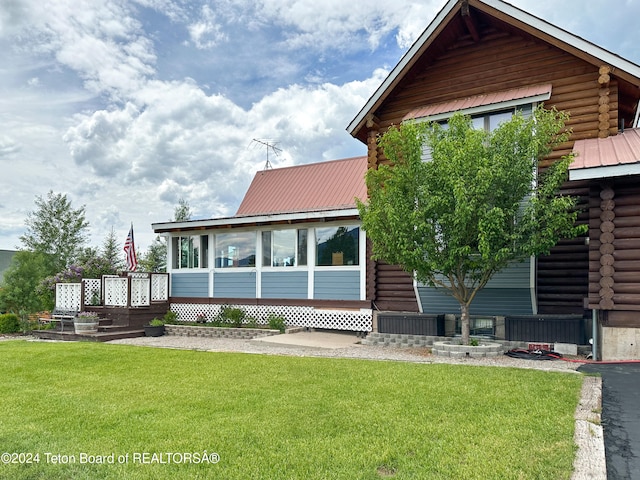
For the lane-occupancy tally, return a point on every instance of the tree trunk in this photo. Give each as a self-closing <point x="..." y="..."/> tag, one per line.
<point x="464" y="323"/>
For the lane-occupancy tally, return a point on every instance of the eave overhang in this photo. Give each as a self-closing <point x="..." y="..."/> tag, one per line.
<point x="256" y="221"/>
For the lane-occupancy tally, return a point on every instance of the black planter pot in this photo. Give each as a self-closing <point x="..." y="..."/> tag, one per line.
<point x="153" y="331"/>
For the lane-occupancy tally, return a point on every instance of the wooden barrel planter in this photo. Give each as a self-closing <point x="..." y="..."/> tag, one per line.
<point x="86" y="328"/>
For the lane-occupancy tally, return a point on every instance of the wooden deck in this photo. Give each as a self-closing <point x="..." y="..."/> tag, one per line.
<point x="115" y="323"/>
<point x="106" y="332"/>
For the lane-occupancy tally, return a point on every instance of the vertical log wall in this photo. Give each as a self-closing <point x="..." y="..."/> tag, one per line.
<point x="614" y="251"/>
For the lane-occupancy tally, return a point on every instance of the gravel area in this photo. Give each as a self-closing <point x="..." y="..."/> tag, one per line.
<point x="418" y="355"/>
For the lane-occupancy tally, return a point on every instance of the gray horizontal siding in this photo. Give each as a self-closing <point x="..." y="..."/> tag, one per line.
<point x="285" y="284"/>
<point x="337" y="285"/>
<point x="516" y="275"/>
<point x="488" y="301"/>
<point x="234" y="284"/>
<point x="190" y="284"/>
<point x="507" y="293"/>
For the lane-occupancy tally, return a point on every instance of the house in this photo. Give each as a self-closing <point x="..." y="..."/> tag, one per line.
<point x="487" y="58"/>
<point x="294" y="248"/>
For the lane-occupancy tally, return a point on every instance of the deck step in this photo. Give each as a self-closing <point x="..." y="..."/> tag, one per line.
<point x="95" y="337"/>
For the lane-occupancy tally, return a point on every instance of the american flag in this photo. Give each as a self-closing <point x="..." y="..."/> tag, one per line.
<point x="130" y="252"/>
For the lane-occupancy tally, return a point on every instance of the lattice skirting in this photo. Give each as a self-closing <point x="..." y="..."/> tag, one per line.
<point x="352" y="320"/>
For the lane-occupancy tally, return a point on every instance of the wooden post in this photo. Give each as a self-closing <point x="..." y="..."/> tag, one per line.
<point x="603" y="110"/>
<point x="607" y="248"/>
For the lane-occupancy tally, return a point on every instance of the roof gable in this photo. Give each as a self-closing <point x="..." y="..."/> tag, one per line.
<point x="437" y="35"/>
<point x="332" y="185"/>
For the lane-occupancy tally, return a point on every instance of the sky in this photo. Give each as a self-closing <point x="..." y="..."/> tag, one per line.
<point x="128" y="106"/>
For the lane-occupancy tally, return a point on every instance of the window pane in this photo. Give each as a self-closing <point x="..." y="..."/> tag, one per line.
<point x="194" y="251"/>
<point x="236" y="250"/>
<point x="175" y="252"/>
<point x="266" y="249"/>
<point x="496" y="119"/>
<point x="337" y="246"/>
<point x="284" y="248"/>
<point x="184" y="252"/>
<point x="302" y="246"/>
<point x="478" y="123"/>
<point x="204" y="254"/>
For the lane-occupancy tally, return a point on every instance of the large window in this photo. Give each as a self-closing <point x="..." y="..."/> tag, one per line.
<point x="236" y="250"/>
<point x="190" y="251"/>
<point x="284" y="248"/>
<point x="490" y="121"/>
<point x="337" y="246"/>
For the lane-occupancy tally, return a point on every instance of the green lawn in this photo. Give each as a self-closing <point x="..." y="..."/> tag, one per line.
<point x="275" y="417"/>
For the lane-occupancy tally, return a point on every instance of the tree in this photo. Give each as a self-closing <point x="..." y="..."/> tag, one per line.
<point x="476" y="206"/>
<point x="112" y="253"/>
<point x="182" y="212"/>
<point x="55" y="229"/>
<point x="155" y="258"/>
<point x="20" y="290"/>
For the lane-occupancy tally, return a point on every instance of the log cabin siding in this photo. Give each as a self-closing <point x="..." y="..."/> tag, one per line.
<point x="394" y="289"/>
<point x="502" y="61"/>
<point x="614" y="251"/>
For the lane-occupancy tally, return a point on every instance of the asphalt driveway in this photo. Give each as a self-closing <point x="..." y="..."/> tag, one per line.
<point x="620" y="417"/>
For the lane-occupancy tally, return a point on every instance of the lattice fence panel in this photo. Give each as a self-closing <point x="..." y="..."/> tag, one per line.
<point x="68" y="296"/>
<point x="353" y="320"/>
<point x="92" y="291"/>
<point x="159" y="287"/>
<point x="140" y="289"/>
<point x="116" y="290"/>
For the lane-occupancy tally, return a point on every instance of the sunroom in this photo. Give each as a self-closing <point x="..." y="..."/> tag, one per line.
<point x="295" y="248"/>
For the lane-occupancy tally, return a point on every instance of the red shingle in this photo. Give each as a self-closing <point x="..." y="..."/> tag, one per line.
<point x="332" y="185"/>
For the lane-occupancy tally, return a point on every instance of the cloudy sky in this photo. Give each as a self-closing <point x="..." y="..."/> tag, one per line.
<point x="127" y="106"/>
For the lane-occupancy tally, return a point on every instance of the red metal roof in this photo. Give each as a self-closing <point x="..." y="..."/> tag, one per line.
<point x="479" y="101"/>
<point x="332" y="185"/>
<point x="621" y="149"/>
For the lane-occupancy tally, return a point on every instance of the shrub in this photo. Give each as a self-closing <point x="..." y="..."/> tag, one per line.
<point x="156" y="322"/>
<point x="170" y="318"/>
<point x="9" y="323"/>
<point x="276" y="322"/>
<point x="252" y="322"/>
<point x="232" y="316"/>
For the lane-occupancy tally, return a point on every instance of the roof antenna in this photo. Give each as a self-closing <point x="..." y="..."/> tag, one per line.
<point x="270" y="144"/>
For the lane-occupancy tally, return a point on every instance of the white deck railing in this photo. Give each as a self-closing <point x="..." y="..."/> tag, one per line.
<point x="134" y="290"/>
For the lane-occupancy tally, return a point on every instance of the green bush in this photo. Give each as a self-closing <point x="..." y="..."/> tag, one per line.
<point x="252" y="322"/>
<point x="232" y="317"/>
<point x="170" y="318"/>
<point x="9" y="323"/>
<point x="276" y="322"/>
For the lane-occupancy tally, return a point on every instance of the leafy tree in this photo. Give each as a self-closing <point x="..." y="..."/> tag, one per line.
<point x="478" y="205"/>
<point x="182" y="212"/>
<point x="155" y="258"/>
<point x="20" y="290"/>
<point x="56" y="229"/>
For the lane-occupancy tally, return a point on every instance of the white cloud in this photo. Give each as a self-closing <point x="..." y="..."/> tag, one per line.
<point x="338" y="24"/>
<point x="129" y="105"/>
<point x="206" y="33"/>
